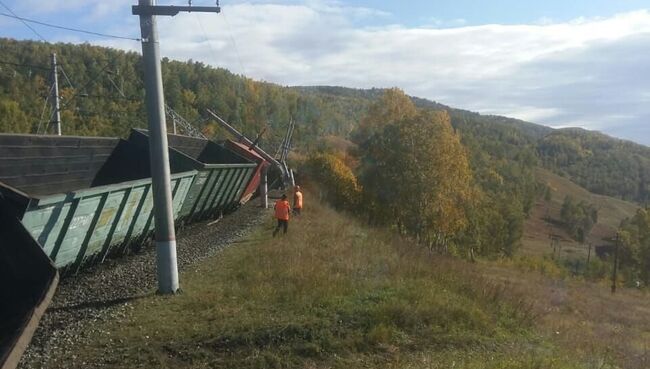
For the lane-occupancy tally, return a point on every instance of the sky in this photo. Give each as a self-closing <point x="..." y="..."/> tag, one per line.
<point x="575" y="63"/>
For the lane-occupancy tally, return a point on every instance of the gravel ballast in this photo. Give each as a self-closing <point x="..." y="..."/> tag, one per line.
<point x="104" y="292"/>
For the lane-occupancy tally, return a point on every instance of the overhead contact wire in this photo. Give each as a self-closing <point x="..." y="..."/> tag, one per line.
<point x="27" y="20"/>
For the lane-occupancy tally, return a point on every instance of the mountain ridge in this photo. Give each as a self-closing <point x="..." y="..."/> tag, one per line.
<point x="100" y="108"/>
<point x="589" y="158"/>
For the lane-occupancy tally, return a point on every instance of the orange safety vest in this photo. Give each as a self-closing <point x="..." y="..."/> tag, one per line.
<point x="297" y="200"/>
<point x="282" y="209"/>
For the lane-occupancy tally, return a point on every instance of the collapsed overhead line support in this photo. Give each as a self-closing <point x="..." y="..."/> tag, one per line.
<point x="285" y="153"/>
<point x="244" y="139"/>
<point x="292" y="126"/>
<point x="165" y="236"/>
<point x="283" y="145"/>
<point x="188" y="127"/>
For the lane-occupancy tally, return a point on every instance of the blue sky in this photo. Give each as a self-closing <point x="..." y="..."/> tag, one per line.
<point x="559" y="63"/>
<point x="476" y="12"/>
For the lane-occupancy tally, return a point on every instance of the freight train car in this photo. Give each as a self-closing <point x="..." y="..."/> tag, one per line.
<point x="82" y="197"/>
<point x="221" y="179"/>
<point x="28" y="283"/>
<point x="262" y="167"/>
<point x="68" y="201"/>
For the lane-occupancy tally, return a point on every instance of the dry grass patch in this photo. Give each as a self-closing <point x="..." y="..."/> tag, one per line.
<point x="330" y="294"/>
<point x="608" y="331"/>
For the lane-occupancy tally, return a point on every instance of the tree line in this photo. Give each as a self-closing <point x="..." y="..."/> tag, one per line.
<point x="491" y="158"/>
<point x="107" y="100"/>
<point x="578" y="217"/>
<point x="410" y="170"/>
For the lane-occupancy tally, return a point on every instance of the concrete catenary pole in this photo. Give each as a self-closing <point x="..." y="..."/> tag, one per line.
<point x="56" y="103"/>
<point x="159" y="156"/>
<point x="264" y="187"/>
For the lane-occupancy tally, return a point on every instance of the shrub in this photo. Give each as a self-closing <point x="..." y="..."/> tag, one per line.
<point x="336" y="183"/>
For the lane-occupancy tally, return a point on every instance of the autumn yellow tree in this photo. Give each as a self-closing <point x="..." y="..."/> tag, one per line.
<point x="336" y="182"/>
<point x="415" y="172"/>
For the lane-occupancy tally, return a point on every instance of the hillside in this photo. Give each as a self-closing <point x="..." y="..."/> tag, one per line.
<point x="545" y="218"/>
<point x="600" y="163"/>
<point x="330" y="294"/>
<point x="103" y="97"/>
<point x="334" y="293"/>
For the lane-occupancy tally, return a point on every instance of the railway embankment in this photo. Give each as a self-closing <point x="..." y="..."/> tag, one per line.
<point x="332" y="293"/>
<point x="107" y="292"/>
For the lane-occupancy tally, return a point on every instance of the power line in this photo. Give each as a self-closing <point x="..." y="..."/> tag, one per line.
<point x="93" y="79"/>
<point x="40" y="120"/>
<point x="232" y="39"/>
<point x="27" y="20"/>
<point x="24" y="21"/>
<point x="205" y="37"/>
<point x="66" y="76"/>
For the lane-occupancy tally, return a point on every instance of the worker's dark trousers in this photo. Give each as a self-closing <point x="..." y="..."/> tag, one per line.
<point x="281" y="224"/>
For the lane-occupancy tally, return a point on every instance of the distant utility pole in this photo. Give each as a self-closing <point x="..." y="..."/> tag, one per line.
<point x="588" y="253"/>
<point x="615" y="270"/>
<point x="555" y="241"/>
<point x="167" y="267"/>
<point x="56" y="104"/>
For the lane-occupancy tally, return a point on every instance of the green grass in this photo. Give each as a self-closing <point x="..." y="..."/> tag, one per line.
<point x="331" y="294"/>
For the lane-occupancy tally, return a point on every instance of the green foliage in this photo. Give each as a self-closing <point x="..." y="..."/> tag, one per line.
<point x="635" y="244"/>
<point x="14" y="119"/>
<point x="502" y="152"/>
<point x="96" y="106"/>
<point x="548" y="193"/>
<point x="335" y="181"/>
<point x="578" y="217"/>
<point x="495" y="226"/>
<point x="601" y="164"/>
<point x="414" y="170"/>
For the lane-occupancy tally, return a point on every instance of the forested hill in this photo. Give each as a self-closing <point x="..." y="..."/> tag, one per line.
<point x="600" y="163"/>
<point x="102" y="95"/>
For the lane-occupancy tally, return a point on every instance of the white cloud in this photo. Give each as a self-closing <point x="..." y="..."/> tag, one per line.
<point x="589" y="71"/>
<point x="93" y="9"/>
<point x="527" y="113"/>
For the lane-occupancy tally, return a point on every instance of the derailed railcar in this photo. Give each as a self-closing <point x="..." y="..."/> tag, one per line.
<point x="67" y="201"/>
<point x="262" y="167"/>
<point x="221" y="179"/>
<point x="29" y="280"/>
<point x="81" y="197"/>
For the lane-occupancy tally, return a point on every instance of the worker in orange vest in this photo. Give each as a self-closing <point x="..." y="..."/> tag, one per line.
<point x="297" y="201"/>
<point x="282" y="210"/>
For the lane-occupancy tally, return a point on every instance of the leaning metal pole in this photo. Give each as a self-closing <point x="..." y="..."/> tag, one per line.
<point x="245" y="140"/>
<point x="165" y="236"/>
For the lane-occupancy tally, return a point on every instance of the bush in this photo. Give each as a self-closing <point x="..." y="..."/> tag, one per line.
<point x="336" y="183"/>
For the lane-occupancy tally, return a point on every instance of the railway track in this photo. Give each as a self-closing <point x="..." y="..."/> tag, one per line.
<point x="105" y="291"/>
<point x="72" y="202"/>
